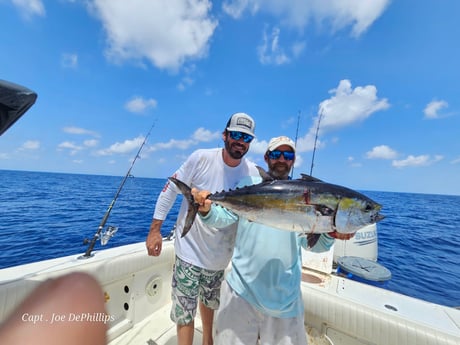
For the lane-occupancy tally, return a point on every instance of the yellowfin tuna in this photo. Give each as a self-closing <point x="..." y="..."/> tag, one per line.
<point x="306" y="205"/>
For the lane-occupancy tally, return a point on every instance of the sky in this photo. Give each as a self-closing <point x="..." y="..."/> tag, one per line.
<point x="370" y="87"/>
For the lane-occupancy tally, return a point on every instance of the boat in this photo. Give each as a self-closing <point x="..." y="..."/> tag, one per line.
<point x="137" y="290"/>
<point x="339" y="308"/>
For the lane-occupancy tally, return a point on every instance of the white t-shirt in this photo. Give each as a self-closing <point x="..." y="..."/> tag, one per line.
<point x="205" y="169"/>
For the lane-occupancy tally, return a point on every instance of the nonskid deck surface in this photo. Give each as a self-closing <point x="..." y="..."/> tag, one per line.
<point x="157" y="329"/>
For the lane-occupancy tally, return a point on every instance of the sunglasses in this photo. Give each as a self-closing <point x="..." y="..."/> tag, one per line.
<point x="288" y="155"/>
<point x="247" y="138"/>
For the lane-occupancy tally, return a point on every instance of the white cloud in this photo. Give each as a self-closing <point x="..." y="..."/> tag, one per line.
<point x="30" y="145"/>
<point x="173" y="144"/>
<point x="345" y="107"/>
<point x="139" y="104"/>
<point x="91" y="143"/>
<point x="270" y="51"/>
<point x="68" y="145"/>
<point x="360" y="15"/>
<point x="170" y="33"/>
<point x="79" y="131"/>
<point x="298" y="160"/>
<point x="433" y="108"/>
<point x="30" y="8"/>
<point x="71" y="146"/>
<point x="414" y="161"/>
<point x="381" y="152"/>
<point x="258" y="147"/>
<point x="167" y="33"/>
<point x="348" y="105"/>
<point x="187" y="80"/>
<point x="184" y="83"/>
<point x="69" y="60"/>
<point x="338" y="14"/>
<point x="200" y="135"/>
<point x="204" y="135"/>
<point x="121" y="148"/>
<point x="307" y="142"/>
<point x="236" y="8"/>
<point x="353" y="163"/>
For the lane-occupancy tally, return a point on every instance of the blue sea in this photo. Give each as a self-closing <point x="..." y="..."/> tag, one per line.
<point x="47" y="215"/>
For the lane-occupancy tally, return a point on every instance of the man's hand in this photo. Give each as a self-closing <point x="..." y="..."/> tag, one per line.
<point x="154" y="239"/>
<point x="341" y="236"/>
<point x="201" y="198"/>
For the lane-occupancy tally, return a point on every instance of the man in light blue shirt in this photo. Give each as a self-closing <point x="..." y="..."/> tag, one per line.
<point x="262" y="296"/>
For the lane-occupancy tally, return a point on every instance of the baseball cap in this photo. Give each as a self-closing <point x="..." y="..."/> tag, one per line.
<point x="279" y="141"/>
<point x="241" y="122"/>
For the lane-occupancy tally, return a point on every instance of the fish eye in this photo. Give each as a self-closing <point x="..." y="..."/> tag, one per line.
<point x="368" y="208"/>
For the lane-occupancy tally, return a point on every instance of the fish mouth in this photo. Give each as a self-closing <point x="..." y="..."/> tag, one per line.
<point x="378" y="217"/>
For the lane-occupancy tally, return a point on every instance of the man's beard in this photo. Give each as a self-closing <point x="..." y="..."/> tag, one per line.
<point x="279" y="170"/>
<point x="235" y="150"/>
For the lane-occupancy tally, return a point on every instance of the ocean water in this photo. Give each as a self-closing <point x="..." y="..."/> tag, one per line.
<point x="47" y="215"/>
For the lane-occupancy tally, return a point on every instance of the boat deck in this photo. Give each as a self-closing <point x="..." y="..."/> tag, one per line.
<point x="157" y="329"/>
<point x="338" y="311"/>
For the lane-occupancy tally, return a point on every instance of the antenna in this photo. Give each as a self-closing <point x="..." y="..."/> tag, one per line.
<point x="316" y="139"/>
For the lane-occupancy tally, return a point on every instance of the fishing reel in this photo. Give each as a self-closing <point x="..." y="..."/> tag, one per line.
<point x="105" y="237"/>
<point x="108" y="234"/>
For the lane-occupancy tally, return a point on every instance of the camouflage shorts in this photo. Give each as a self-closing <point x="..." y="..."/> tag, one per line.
<point x="190" y="283"/>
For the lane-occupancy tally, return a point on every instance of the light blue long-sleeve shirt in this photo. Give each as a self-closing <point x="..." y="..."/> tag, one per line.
<point x="266" y="262"/>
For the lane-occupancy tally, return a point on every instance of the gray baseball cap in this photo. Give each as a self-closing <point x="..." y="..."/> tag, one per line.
<point x="241" y="122"/>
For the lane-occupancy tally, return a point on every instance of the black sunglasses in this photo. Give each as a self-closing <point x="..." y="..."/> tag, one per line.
<point x="276" y="154"/>
<point x="247" y="138"/>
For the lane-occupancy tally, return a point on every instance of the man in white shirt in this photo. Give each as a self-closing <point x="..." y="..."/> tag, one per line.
<point x="204" y="253"/>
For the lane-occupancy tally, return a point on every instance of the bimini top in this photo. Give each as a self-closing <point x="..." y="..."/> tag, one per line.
<point x="15" y="100"/>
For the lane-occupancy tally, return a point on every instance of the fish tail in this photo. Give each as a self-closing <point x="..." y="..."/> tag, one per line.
<point x="192" y="205"/>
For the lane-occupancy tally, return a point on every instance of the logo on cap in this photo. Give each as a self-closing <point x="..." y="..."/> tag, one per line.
<point x="243" y="121"/>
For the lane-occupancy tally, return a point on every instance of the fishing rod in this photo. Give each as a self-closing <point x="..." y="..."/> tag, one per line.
<point x="111" y="230"/>
<point x="295" y="143"/>
<point x="316" y="139"/>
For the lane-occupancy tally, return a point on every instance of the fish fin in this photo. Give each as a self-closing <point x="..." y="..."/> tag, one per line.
<point x="309" y="178"/>
<point x="325" y="210"/>
<point x="192" y="205"/>
<point x="265" y="176"/>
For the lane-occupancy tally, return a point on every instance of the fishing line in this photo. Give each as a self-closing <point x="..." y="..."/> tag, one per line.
<point x="112" y="230"/>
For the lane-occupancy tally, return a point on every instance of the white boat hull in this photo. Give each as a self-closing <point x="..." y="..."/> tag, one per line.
<point x="337" y="310"/>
